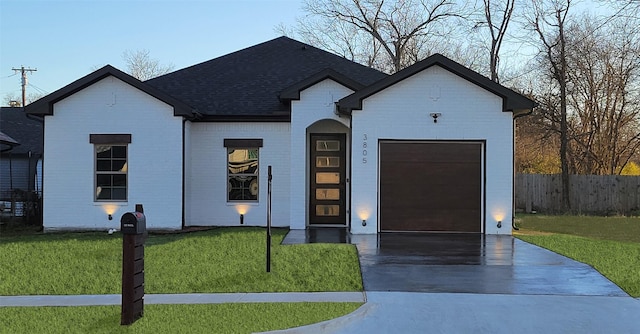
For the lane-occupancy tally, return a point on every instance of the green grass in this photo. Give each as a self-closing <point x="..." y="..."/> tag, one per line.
<point x="219" y="260"/>
<point x="610" y="244"/>
<point x="219" y="318"/>
<point x="607" y="228"/>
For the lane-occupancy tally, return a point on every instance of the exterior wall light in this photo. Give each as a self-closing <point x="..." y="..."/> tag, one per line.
<point x="435" y="116"/>
<point x="110" y="217"/>
<point x="499" y="223"/>
<point x="241" y="219"/>
<point x="364" y="222"/>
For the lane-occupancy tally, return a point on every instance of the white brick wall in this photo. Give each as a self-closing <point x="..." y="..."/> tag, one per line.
<point x="403" y="112"/>
<point x="111" y="106"/>
<point x="313" y="113"/>
<point x="207" y="174"/>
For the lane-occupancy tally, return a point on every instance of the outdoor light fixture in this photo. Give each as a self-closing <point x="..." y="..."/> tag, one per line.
<point x="241" y="219"/>
<point x="499" y="223"/>
<point x="435" y="116"/>
<point x="364" y="222"/>
<point x="110" y="217"/>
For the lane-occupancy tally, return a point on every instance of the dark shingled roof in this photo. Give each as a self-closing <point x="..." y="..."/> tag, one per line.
<point x="26" y="131"/>
<point x="247" y="84"/>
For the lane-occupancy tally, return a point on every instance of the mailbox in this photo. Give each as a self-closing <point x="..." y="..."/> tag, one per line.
<point x="133" y="223"/>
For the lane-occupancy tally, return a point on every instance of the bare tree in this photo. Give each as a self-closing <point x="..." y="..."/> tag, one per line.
<point x="497" y="30"/>
<point x="388" y="35"/>
<point x="14" y="100"/>
<point x="604" y="76"/>
<point x="548" y="21"/>
<point x="142" y="67"/>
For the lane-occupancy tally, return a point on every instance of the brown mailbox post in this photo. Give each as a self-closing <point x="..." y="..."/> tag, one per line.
<point x="133" y="228"/>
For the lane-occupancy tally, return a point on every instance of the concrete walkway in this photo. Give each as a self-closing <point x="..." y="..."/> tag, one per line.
<point x="190" y="298"/>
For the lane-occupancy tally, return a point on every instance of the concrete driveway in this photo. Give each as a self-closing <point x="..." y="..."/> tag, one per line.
<point x="473" y="263"/>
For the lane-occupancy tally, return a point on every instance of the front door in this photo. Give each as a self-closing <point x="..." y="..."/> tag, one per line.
<point x="328" y="168"/>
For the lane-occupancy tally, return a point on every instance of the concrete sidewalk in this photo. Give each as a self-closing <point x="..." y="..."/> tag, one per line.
<point x="414" y="312"/>
<point x="190" y="298"/>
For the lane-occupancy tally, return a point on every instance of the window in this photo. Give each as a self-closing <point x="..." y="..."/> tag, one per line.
<point x="110" y="166"/>
<point x="242" y="174"/>
<point x="111" y="172"/>
<point x="242" y="169"/>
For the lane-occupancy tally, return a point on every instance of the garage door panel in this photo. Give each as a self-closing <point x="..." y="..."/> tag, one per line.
<point x="433" y="152"/>
<point x="430" y="186"/>
<point x="437" y="221"/>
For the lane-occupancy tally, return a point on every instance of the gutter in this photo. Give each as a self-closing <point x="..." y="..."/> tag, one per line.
<point x="513" y="181"/>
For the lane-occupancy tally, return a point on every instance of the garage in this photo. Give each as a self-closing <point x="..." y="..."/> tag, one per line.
<point x="431" y="186"/>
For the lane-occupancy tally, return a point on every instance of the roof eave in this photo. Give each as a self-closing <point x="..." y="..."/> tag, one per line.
<point x="44" y="106"/>
<point x="511" y="100"/>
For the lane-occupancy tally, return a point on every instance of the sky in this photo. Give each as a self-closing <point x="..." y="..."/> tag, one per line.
<point x="66" y="40"/>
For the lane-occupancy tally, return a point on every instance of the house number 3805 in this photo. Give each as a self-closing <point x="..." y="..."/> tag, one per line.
<point x="364" y="148"/>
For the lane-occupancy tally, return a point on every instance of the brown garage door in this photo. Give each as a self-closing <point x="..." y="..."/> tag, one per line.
<point x="430" y="186"/>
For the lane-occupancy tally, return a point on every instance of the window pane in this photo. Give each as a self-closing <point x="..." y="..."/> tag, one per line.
<point x="103" y="151"/>
<point x="327" y="210"/>
<point x="328" y="145"/>
<point x="103" y="165"/>
<point x="103" y="180"/>
<point x="327" y="178"/>
<point x="327" y="162"/>
<point x="328" y="194"/>
<point x="119" y="194"/>
<point x="119" y="180"/>
<point x="118" y="165"/>
<point x="119" y="151"/>
<point x="243" y="188"/>
<point x="243" y="161"/>
<point x="103" y="193"/>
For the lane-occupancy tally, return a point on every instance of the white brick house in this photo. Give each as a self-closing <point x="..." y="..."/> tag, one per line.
<point x="429" y="148"/>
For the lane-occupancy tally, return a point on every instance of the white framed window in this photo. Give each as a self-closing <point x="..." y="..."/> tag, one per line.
<point x="111" y="167"/>
<point x="243" y="166"/>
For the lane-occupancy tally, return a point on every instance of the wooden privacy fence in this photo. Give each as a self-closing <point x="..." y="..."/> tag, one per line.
<point x="589" y="194"/>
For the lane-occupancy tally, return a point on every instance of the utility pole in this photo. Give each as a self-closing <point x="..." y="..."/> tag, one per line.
<point x="24" y="71"/>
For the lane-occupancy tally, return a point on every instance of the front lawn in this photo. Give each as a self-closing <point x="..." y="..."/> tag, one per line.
<point x="610" y="244"/>
<point x="218" y="260"/>
<point x="216" y="318"/>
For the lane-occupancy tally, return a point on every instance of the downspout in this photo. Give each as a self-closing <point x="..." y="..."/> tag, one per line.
<point x="11" y="172"/>
<point x="184" y="122"/>
<point x="30" y="178"/>
<point x="513" y="181"/>
<point x="350" y="168"/>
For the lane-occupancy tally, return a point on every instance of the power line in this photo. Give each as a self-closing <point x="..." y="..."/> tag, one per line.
<point x="24" y="71"/>
<point x="40" y="90"/>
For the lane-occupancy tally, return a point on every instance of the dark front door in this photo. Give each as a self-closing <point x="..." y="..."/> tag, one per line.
<point x="327" y="193"/>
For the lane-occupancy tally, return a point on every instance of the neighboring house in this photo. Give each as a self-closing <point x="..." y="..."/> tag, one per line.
<point x="20" y="161"/>
<point x="429" y="148"/>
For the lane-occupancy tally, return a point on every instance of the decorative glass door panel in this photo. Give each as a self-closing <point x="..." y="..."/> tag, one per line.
<point x="327" y="205"/>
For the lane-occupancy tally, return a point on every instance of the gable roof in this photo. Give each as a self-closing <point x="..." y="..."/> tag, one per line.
<point x="25" y="131"/>
<point x="511" y="101"/>
<point x="247" y="84"/>
<point x="293" y="92"/>
<point x="44" y="106"/>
